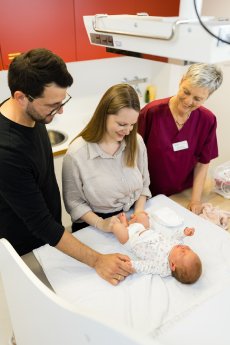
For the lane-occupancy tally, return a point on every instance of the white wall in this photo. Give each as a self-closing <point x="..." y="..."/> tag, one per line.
<point x="94" y="77"/>
<point x="219" y="104"/>
<point x="4" y="90"/>
<point x="216" y="8"/>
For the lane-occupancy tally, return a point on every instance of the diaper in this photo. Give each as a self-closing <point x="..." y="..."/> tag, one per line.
<point x="167" y="217"/>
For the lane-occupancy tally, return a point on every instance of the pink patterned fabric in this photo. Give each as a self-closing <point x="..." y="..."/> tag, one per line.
<point x="215" y="215"/>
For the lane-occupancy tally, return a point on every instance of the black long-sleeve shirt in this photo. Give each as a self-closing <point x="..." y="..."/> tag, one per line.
<point x="30" y="205"/>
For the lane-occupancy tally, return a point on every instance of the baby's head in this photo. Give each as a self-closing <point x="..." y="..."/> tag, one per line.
<point x="185" y="265"/>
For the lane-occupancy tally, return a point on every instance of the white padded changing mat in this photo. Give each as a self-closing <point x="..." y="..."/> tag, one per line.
<point x="148" y="303"/>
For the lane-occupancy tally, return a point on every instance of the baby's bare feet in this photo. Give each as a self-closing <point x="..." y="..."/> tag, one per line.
<point x="123" y="219"/>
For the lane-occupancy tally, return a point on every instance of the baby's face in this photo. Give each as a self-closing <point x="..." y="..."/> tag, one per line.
<point x="181" y="254"/>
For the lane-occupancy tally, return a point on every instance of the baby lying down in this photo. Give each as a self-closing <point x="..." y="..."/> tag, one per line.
<point x="158" y="252"/>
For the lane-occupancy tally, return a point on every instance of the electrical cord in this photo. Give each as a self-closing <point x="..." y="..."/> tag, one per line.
<point x="12" y="340"/>
<point x="205" y="27"/>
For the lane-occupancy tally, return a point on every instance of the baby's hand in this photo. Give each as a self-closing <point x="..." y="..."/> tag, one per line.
<point x="189" y="231"/>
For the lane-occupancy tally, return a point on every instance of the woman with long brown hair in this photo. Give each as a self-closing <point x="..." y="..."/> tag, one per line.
<point x="105" y="168"/>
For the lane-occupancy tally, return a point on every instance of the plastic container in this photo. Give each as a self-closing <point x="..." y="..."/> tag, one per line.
<point x="150" y="93"/>
<point x="221" y="177"/>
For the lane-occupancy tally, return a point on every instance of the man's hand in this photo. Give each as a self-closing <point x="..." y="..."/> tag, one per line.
<point x="113" y="267"/>
<point x="189" y="231"/>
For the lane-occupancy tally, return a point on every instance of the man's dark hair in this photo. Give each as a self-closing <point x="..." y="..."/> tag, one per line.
<point x="32" y="71"/>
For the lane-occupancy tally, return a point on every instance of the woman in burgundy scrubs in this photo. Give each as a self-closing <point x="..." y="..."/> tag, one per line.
<point x="180" y="135"/>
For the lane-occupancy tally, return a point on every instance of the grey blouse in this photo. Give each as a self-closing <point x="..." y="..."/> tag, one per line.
<point x="96" y="181"/>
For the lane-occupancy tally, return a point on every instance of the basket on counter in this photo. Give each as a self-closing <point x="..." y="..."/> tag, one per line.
<point x="222" y="180"/>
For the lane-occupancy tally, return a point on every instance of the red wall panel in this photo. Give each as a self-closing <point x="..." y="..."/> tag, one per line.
<point x="86" y="51"/>
<point x="58" y="24"/>
<point x="27" y="24"/>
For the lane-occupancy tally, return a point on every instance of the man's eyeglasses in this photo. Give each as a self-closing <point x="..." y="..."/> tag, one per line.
<point x="55" y="110"/>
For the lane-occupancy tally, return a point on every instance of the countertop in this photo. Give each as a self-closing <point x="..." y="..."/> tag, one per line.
<point x="209" y="195"/>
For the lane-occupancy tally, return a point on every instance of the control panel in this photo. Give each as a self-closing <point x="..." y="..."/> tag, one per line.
<point x="101" y="39"/>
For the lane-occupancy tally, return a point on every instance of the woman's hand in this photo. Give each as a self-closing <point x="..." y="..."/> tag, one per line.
<point x="195" y="206"/>
<point x="107" y="223"/>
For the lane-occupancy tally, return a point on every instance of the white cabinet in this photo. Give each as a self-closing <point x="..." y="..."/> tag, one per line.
<point x="5" y="323"/>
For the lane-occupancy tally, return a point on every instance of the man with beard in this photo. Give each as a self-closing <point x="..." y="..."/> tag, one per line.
<point x="30" y="206"/>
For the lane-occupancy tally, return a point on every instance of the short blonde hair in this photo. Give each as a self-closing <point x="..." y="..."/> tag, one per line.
<point x="205" y="75"/>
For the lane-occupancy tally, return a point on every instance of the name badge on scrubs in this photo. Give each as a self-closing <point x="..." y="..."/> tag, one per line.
<point x="181" y="145"/>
